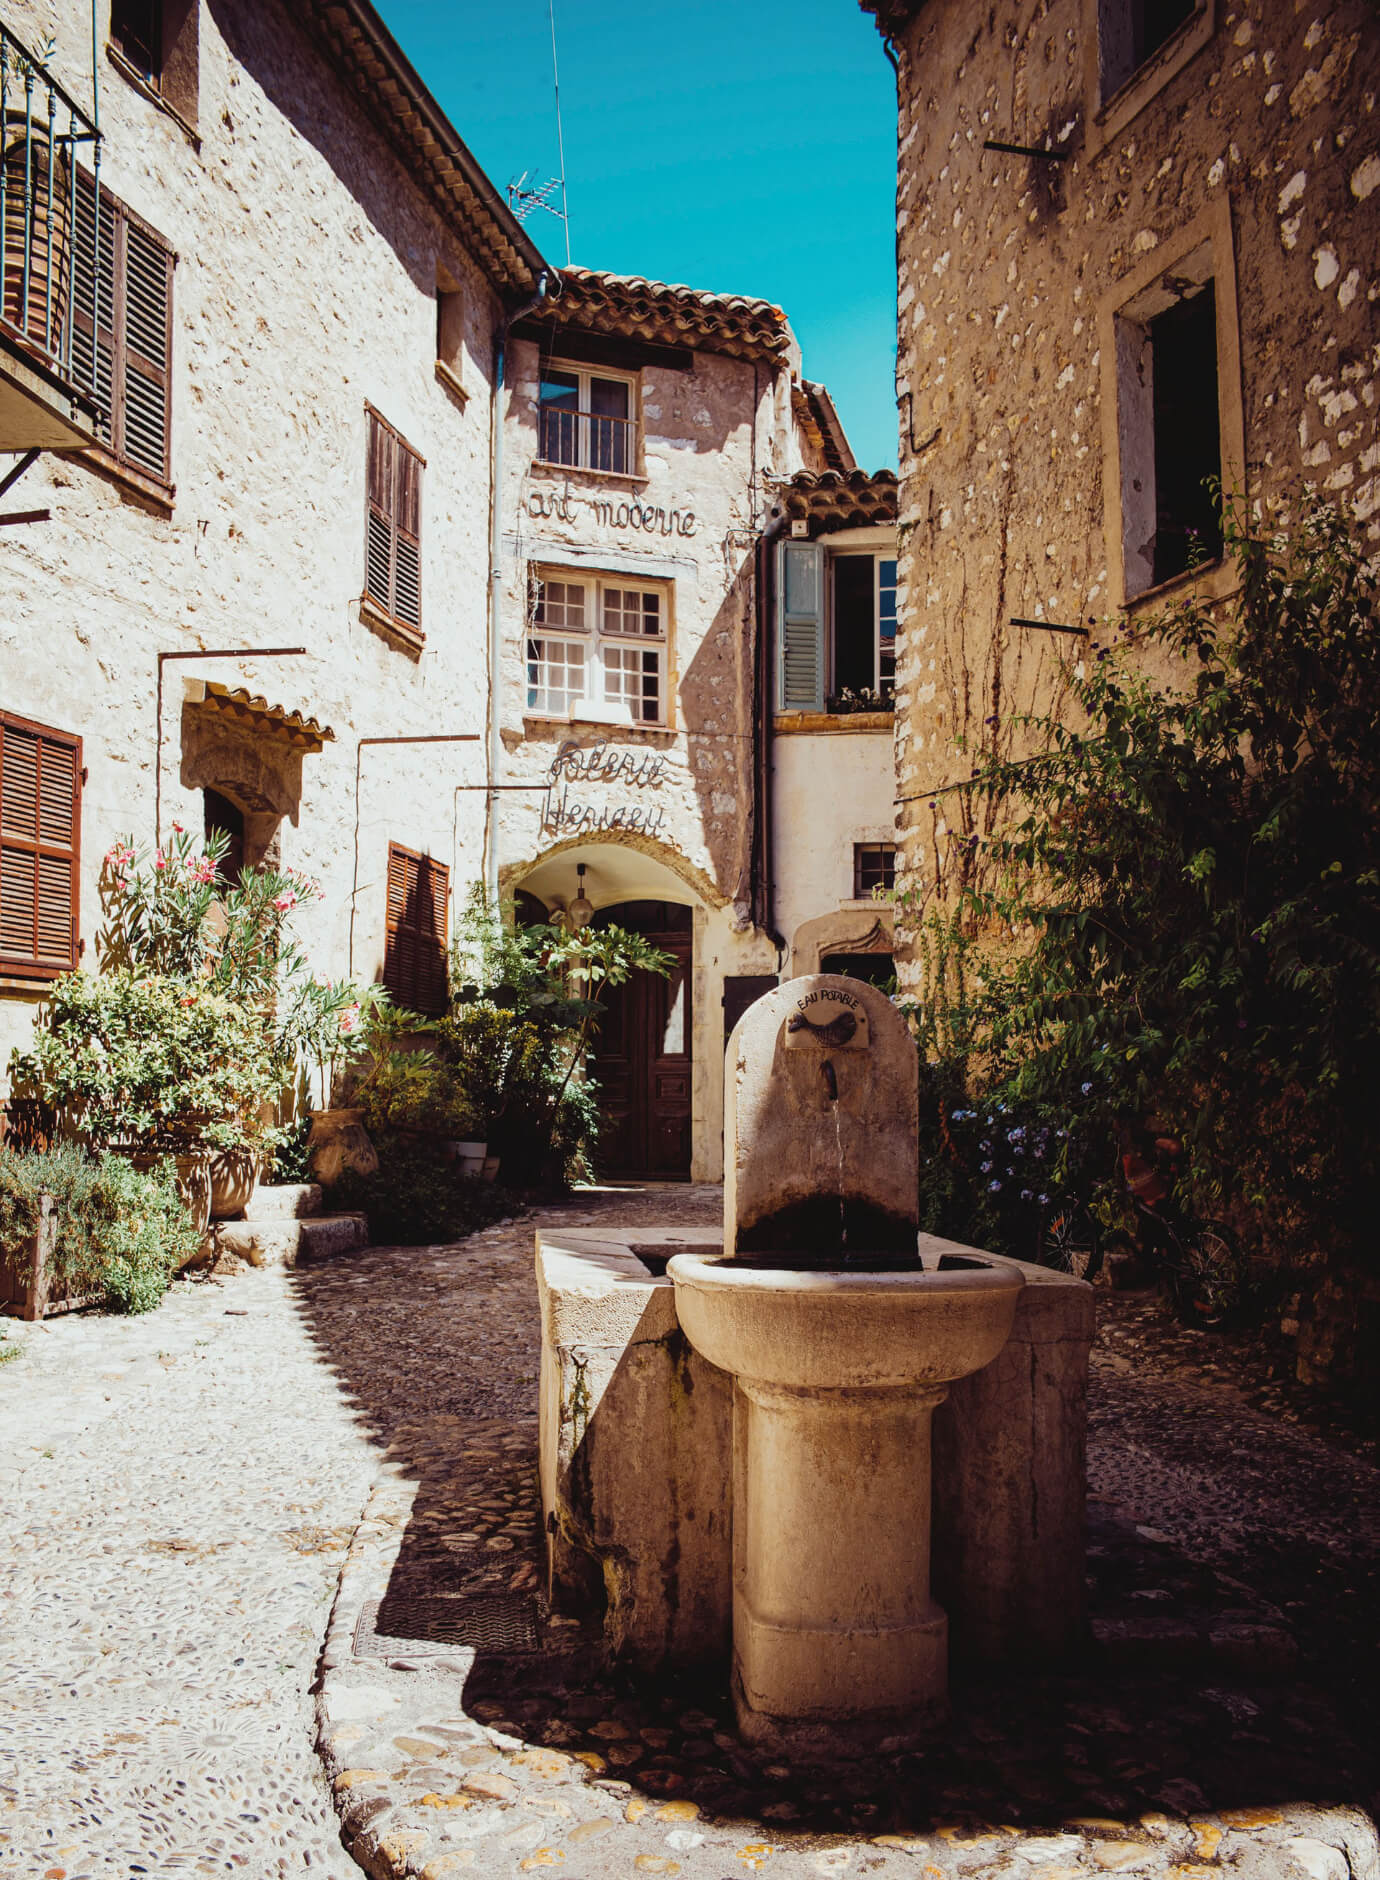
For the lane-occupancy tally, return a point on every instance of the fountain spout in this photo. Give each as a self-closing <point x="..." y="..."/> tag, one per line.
<point x="830" y="1079"/>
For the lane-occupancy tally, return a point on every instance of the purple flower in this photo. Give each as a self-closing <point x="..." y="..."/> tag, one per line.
<point x="1025" y="1194"/>
<point x="1086" y="1089"/>
<point x="994" y="1188"/>
<point x="1043" y="1200"/>
<point x="985" y="1167"/>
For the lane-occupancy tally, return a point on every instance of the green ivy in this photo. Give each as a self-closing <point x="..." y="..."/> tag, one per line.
<point x="1177" y="910"/>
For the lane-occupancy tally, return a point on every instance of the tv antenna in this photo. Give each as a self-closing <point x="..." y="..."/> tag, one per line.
<point x="525" y="192"/>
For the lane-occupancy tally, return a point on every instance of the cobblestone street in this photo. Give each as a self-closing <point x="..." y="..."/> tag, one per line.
<point x="181" y="1492"/>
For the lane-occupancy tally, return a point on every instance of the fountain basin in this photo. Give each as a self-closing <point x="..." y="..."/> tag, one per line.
<point x="836" y="1640"/>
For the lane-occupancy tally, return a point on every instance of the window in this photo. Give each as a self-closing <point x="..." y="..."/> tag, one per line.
<point x="836" y="618"/>
<point x="128" y="323"/>
<point x="596" y="648"/>
<point x="40" y="839"/>
<point x="587" y="420"/>
<point x="1169" y="424"/>
<point x="874" y="866"/>
<point x="393" y="530"/>
<point x="414" y="955"/>
<point x="221" y="816"/>
<point x="157" y="41"/>
<point x="450" y="331"/>
<point x="1131" y="32"/>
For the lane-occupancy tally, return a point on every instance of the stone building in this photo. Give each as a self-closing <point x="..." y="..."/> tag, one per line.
<point x="303" y="272"/>
<point x="409" y="561"/>
<point x="662" y="712"/>
<point x="1137" y="247"/>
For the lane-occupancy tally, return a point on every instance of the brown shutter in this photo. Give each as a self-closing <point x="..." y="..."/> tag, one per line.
<point x="122" y="335"/>
<point x="40" y="841"/>
<point x="393" y="545"/>
<point x="414" y="960"/>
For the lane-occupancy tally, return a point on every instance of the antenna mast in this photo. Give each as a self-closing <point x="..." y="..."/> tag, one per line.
<point x="525" y="196"/>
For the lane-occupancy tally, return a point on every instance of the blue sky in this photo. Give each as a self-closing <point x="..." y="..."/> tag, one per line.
<point x="737" y="148"/>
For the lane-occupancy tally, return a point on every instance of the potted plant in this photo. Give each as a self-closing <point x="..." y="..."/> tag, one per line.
<point x="418" y="1095"/>
<point x="326" y="1028"/>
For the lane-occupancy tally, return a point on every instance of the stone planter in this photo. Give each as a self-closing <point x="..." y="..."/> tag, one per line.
<point x="469" y="1158"/>
<point x="234" y="1177"/>
<point x="338" y="1140"/>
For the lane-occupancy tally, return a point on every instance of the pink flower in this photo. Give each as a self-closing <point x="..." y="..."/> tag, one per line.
<point x="177" y="829"/>
<point x="284" y="901"/>
<point x="160" y="860"/>
<point x="200" y="868"/>
<point x="349" y="1020"/>
<point x="188" y="998"/>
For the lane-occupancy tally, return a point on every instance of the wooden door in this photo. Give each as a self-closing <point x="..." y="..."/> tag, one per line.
<point x="642" y="1059"/>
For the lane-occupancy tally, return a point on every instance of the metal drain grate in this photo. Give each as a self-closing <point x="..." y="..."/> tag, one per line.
<point x="419" y="1627"/>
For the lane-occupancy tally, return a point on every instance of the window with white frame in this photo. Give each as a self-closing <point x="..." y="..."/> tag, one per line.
<point x="837" y="626"/>
<point x="587" y="420"/>
<point x="596" y="648"/>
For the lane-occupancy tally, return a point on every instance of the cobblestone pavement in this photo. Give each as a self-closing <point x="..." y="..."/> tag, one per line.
<point x="1194" y="1741"/>
<point x="181" y="1492"/>
<point x="178" y="1491"/>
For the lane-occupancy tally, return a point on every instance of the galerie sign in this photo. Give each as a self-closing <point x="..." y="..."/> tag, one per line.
<point x="620" y="512"/>
<point x="566" y="812"/>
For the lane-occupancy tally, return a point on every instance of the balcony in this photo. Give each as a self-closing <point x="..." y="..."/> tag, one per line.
<point x="587" y="440"/>
<point x="47" y="394"/>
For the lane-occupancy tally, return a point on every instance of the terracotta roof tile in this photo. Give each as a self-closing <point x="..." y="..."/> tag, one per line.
<point x="830" y="500"/>
<point x="667" y="314"/>
<point x="239" y="702"/>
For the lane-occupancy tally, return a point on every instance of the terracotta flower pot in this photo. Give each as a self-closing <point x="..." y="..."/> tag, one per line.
<point x="338" y="1140"/>
<point x="234" y="1177"/>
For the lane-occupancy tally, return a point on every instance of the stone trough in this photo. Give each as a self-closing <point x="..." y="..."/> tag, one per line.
<point x="734" y="1452"/>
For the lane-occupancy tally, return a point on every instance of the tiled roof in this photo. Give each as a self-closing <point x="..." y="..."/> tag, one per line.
<point x="829" y="500"/>
<point x="663" y="314"/>
<point x="240" y="703"/>
<point x="389" y="92"/>
<point x="815" y="413"/>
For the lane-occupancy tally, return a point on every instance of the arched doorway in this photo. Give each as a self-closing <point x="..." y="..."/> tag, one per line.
<point x="642" y="1058"/>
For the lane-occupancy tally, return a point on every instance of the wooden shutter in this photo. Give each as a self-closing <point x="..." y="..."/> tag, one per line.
<point x="414" y="959"/>
<point x="122" y="337"/>
<point x="393" y="541"/>
<point x="800" y="627"/>
<point x="40" y="841"/>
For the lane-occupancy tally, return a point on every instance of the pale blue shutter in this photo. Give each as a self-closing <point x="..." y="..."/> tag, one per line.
<point x="800" y="627"/>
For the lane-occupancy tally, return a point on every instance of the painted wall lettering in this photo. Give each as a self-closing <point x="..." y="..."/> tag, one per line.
<point x="622" y="513"/>
<point x="575" y="763"/>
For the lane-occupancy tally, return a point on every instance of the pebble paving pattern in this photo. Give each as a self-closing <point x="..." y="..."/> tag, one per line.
<point x="183" y="1491"/>
<point x="178" y="1492"/>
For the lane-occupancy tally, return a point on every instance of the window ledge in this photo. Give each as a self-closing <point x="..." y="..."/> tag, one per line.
<point x="35" y="984"/>
<point x="159" y="496"/>
<point x="450" y="378"/>
<point x="833" y="722"/>
<point x="135" y="77"/>
<point x="1209" y="581"/>
<point x="1111" y="115"/>
<point x="539" y="727"/>
<point x="583" y="470"/>
<point x="410" y="639"/>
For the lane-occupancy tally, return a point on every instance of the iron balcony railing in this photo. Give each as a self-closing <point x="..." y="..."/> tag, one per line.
<point x="42" y="129"/>
<point x="587" y="441"/>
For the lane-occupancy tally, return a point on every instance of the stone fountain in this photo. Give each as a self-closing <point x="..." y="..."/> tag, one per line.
<point x="841" y="1342"/>
<point x="736" y="1425"/>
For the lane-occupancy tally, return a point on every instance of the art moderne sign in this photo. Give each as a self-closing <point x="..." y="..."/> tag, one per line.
<point x="611" y="512"/>
<point x="566" y="810"/>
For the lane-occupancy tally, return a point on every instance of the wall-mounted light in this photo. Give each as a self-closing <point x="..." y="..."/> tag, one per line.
<point x="581" y="909"/>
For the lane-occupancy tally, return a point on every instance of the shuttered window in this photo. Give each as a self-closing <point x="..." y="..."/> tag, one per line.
<point x="414" y="959"/>
<point x="122" y="337"/>
<point x="800" y="627"/>
<point x="40" y="839"/>
<point x="393" y="543"/>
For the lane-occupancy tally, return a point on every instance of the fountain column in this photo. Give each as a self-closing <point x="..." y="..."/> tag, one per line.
<point x="832" y="1615"/>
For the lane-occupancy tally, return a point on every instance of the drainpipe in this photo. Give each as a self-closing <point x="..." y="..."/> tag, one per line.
<point x="763" y="736"/>
<point x="493" y="744"/>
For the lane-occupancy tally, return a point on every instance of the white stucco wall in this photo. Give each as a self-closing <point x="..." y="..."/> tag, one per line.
<point x="832" y="789"/>
<point x="304" y="284"/>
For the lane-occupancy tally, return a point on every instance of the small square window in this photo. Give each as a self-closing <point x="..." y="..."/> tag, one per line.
<point x="450" y="331"/>
<point x="1131" y="32"/>
<point x="874" y="868"/>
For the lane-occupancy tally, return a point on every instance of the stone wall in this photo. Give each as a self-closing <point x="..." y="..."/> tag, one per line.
<point x="1256" y="131"/>
<point x="304" y="286"/>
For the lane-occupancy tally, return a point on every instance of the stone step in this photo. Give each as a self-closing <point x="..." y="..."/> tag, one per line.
<point x="284" y="1201"/>
<point x="286" y="1242"/>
